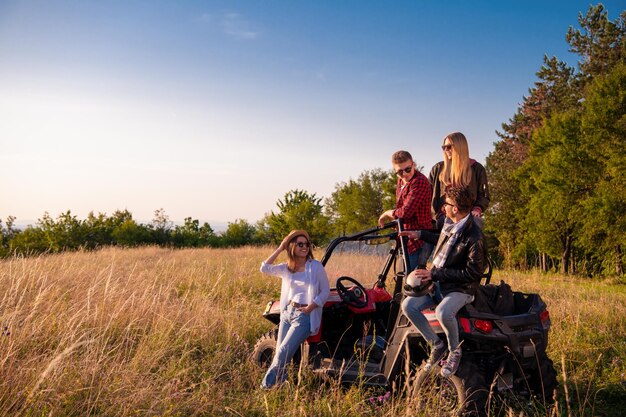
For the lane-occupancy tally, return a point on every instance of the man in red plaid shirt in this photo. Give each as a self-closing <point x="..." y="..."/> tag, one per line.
<point x="413" y="196"/>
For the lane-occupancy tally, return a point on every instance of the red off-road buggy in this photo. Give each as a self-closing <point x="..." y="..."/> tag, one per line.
<point x="366" y="338"/>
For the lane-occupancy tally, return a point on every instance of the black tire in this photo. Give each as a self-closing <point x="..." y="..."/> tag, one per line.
<point x="542" y="380"/>
<point x="265" y="348"/>
<point x="462" y="394"/>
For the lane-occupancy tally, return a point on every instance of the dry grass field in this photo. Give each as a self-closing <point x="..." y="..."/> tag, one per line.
<point x="158" y="332"/>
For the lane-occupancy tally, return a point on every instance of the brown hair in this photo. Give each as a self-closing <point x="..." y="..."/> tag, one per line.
<point x="462" y="198"/>
<point x="401" y="157"/>
<point x="457" y="170"/>
<point x="291" y="259"/>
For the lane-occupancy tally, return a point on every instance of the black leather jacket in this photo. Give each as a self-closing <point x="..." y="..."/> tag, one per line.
<point x="465" y="263"/>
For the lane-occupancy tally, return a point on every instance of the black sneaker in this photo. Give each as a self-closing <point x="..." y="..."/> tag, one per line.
<point x="436" y="354"/>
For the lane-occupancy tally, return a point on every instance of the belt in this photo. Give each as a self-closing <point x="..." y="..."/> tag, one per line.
<point x="297" y="305"/>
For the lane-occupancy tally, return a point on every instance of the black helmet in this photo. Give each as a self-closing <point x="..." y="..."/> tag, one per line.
<point x="413" y="286"/>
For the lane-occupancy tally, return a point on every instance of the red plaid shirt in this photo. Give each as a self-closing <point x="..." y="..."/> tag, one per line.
<point x="413" y="206"/>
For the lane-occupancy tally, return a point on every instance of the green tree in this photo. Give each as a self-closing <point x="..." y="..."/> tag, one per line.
<point x="577" y="182"/>
<point x="604" y="126"/>
<point x="298" y="210"/>
<point x="238" y="233"/>
<point x="130" y="234"/>
<point x="356" y="205"/>
<point x="6" y="234"/>
<point x="262" y="231"/>
<point x="191" y="234"/>
<point x="600" y="42"/>
<point x="66" y="233"/>
<point x="558" y="182"/>
<point x="29" y="241"/>
<point x="99" y="228"/>
<point x="207" y="235"/>
<point x="553" y="92"/>
<point x="161" y="227"/>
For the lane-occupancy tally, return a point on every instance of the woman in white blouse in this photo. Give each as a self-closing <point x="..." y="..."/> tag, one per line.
<point x="303" y="292"/>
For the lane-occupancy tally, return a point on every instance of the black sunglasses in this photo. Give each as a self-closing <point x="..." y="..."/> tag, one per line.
<point x="302" y="244"/>
<point x="445" y="203"/>
<point x="446" y="147"/>
<point x="404" y="170"/>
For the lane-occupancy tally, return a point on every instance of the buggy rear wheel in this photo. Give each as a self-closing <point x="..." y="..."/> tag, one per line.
<point x="462" y="394"/>
<point x="542" y="380"/>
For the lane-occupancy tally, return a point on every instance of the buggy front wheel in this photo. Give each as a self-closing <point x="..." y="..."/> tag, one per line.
<point x="265" y="348"/>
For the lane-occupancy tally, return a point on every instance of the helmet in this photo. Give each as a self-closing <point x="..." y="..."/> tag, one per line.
<point x="413" y="286"/>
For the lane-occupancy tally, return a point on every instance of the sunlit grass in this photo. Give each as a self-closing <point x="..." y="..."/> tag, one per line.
<point x="153" y="331"/>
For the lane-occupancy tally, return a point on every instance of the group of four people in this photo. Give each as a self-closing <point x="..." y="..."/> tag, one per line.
<point x="449" y="204"/>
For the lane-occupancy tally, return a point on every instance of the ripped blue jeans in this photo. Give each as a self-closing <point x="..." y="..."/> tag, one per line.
<point x="294" y="328"/>
<point x="445" y="311"/>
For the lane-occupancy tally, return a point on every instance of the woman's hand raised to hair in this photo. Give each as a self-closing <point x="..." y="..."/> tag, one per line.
<point x="283" y="246"/>
<point x="285" y="243"/>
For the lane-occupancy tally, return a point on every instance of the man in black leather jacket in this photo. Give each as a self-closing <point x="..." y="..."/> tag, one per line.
<point x="458" y="263"/>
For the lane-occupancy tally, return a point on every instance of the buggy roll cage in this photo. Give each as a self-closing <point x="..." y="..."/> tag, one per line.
<point x="372" y="234"/>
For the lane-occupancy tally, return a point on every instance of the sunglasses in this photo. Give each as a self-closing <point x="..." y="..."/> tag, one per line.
<point x="404" y="170"/>
<point x="446" y="147"/>
<point x="302" y="244"/>
<point x="445" y="203"/>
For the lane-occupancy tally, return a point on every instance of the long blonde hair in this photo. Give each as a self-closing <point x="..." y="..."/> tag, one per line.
<point x="291" y="248"/>
<point x="456" y="171"/>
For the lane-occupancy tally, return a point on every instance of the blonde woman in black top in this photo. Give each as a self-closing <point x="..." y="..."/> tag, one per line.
<point x="458" y="170"/>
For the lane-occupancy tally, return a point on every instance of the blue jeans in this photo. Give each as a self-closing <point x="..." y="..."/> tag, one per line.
<point x="414" y="259"/>
<point x="445" y="312"/>
<point x="294" y="328"/>
<point x="425" y="251"/>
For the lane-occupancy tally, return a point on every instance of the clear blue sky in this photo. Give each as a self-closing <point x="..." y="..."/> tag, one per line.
<point x="215" y="109"/>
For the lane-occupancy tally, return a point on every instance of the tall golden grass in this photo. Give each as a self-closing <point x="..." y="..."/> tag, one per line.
<point x="152" y="331"/>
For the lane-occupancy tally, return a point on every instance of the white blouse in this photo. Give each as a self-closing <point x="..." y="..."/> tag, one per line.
<point x="317" y="288"/>
<point x="298" y="288"/>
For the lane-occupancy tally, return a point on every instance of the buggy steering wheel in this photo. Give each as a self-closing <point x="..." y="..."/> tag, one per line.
<point x="355" y="296"/>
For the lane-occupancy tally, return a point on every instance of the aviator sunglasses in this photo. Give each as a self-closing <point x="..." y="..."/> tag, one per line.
<point x="302" y="244"/>
<point x="446" y="147"/>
